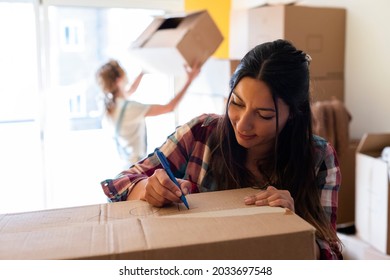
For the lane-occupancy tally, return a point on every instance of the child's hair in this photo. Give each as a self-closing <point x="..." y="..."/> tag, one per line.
<point x="107" y="76"/>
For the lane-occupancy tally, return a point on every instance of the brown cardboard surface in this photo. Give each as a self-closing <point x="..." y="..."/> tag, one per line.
<point x="233" y="65"/>
<point x="171" y="41"/>
<point x="326" y="89"/>
<point x="372" y="212"/>
<point x="318" y="31"/>
<point x="217" y="226"/>
<point x="372" y="144"/>
<point x="346" y="209"/>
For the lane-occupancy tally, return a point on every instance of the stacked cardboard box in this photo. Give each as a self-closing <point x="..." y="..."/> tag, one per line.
<point x="372" y="202"/>
<point x="346" y="210"/>
<point x="318" y="31"/>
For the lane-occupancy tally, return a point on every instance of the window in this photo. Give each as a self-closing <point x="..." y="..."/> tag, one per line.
<point x="72" y="36"/>
<point x="78" y="153"/>
<point x="53" y="150"/>
<point x="21" y="162"/>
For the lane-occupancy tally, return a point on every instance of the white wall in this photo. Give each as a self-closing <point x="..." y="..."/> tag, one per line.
<point x="367" y="61"/>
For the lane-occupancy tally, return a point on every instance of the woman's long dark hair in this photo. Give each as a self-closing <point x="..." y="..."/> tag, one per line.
<point x="286" y="72"/>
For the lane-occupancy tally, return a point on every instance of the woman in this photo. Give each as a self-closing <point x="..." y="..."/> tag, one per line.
<point x="264" y="140"/>
<point x="127" y="117"/>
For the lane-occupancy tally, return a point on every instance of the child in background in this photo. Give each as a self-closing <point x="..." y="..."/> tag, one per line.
<point x="127" y="117"/>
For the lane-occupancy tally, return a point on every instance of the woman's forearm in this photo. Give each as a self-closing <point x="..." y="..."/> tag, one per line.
<point x="138" y="191"/>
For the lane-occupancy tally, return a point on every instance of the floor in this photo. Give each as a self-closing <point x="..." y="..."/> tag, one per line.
<point x="357" y="249"/>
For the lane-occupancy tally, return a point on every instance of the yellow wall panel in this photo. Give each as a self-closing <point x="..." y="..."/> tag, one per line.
<point x="220" y="12"/>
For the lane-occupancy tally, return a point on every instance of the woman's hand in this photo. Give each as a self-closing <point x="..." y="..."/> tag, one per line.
<point x="160" y="190"/>
<point x="271" y="197"/>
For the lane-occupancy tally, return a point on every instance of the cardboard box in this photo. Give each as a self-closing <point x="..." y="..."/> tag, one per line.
<point x="372" y="192"/>
<point x="318" y="31"/>
<point x="217" y="226"/>
<point x="172" y="41"/>
<point x="326" y="89"/>
<point x="233" y="65"/>
<point x="347" y="161"/>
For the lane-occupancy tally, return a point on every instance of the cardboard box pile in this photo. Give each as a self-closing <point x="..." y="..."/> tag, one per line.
<point x="217" y="226"/>
<point x="318" y="31"/>
<point x="172" y="41"/>
<point x="372" y="212"/>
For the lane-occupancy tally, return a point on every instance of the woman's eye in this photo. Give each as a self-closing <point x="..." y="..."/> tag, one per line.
<point x="266" y="116"/>
<point x="236" y="103"/>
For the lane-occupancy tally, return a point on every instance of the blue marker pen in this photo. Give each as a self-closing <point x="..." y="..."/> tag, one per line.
<point x="165" y="164"/>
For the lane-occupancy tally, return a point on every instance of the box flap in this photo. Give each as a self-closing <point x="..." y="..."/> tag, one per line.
<point x="273" y="3"/>
<point x="373" y="143"/>
<point x="147" y="33"/>
<point x="191" y="19"/>
<point x="166" y="22"/>
<point x="165" y="38"/>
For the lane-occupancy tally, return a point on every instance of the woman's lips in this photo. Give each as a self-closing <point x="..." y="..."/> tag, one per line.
<point x="246" y="137"/>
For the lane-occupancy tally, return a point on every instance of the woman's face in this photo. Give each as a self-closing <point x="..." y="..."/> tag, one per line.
<point x="253" y="115"/>
<point x="122" y="82"/>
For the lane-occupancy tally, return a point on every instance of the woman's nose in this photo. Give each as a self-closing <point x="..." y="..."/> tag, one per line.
<point x="245" y="123"/>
